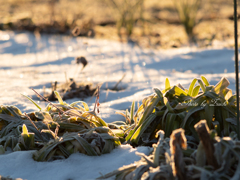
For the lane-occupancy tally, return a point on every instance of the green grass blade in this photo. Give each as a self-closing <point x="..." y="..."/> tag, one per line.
<point x="149" y="109"/>
<point x="33" y="102"/>
<point x="182" y="115"/>
<point x="43" y="153"/>
<point x="195" y="91"/>
<point x="24" y="129"/>
<point x="83" y="103"/>
<point x="118" y="132"/>
<point x="9" y="118"/>
<point x="177" y="91"/>
<point x="86" y="146"/>
<point x="44" y="116"/>
<point x="65" y="152"/>
<point x="167" y="84"/>
<point x="213" y="96"/>
<point x="140" y="129"/>
<point x="132" y="112"/>
<point x="130" y="134"/>
<point x="158" y="92"/>
<point x="221" y="85"/>
<point x="225" y="115"/>
<point x="171" y="117"/>
<point x="127" y="116"/>
<point x="14" y="111"/>
<point x="203" y="87"/>
<point x="59" y="98"/>
<point x="218" y="116"/>
<point x="191" y="112"/>
<point x="209" y="111"/>
<point x="170" y="109"/>
<point x="163" y="118"/>
<point x="205" y="81"/>
<point x="108" y="147"/>
<point x="101" y="121"/>
<point x="191" y="87"/>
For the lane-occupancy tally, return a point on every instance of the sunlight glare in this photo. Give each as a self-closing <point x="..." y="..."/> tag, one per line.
<point x="24" y="61"/>
<point x="4" y="37"/>
<point x="70" y="49"/>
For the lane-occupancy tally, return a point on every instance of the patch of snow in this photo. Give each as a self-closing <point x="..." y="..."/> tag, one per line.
<point x="32" y="61"/>
<point x="20" y="164"/>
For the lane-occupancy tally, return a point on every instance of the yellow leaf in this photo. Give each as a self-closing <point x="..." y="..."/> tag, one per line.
<point x="24" y="129"/>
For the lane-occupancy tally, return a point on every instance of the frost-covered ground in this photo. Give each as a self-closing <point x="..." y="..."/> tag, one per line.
<point x="33" y="61"/>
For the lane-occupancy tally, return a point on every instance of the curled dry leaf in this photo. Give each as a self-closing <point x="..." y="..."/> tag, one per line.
<point x="81" y="60"/>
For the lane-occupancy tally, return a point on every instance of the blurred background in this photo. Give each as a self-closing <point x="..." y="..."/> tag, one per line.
<point x="147" y="23"/>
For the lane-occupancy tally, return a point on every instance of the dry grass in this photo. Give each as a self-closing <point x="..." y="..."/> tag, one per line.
<point x="162" y="27"/>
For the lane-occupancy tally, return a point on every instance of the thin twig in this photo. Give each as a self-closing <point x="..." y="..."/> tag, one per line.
<point x="31" y="121"/>
<point x="95" y="92"/>
<point x="47" y="100"/>
<point x="115" y="87"/>
<point x="34" y="125"/>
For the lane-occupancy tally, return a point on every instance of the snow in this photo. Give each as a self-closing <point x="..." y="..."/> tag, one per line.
<point x="33" y="61"/>
<point x="77" y="166"/>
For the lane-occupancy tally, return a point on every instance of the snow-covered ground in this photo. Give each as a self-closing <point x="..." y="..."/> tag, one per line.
<point x="33" y="61"/>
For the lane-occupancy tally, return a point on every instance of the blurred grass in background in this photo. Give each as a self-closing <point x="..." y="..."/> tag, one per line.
<point x="148" y="23"/>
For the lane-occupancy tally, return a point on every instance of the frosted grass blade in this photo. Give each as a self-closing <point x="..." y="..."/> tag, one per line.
<point x="33" y="102"/>
<point x="191" y="87"/>
<point x="205" y="81"/>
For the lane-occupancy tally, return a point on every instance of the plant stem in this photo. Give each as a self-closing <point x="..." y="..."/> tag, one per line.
<point x="236" y="64"/>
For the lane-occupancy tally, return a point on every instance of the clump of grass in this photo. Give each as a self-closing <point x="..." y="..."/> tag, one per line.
<point x="176" y="107"/>
<point x="127" y="12"/>
<point x="187" y="11"/>
<point x="176" y="158"/>
<point x="58" y="130"/>
<point x="52" y="9"/>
